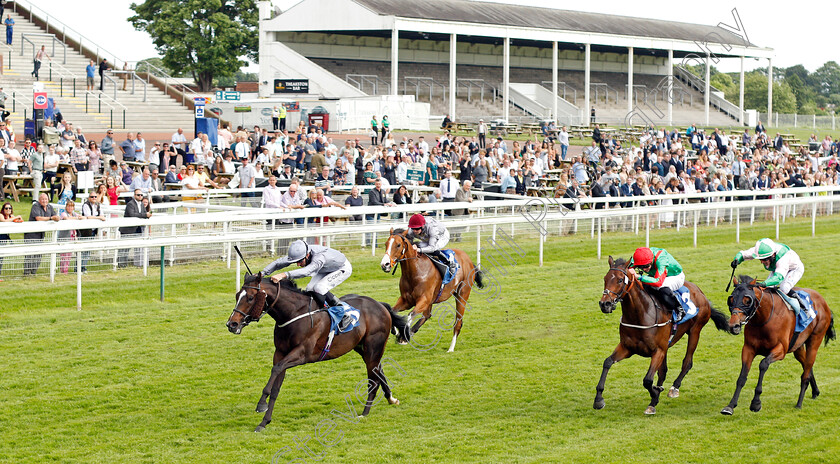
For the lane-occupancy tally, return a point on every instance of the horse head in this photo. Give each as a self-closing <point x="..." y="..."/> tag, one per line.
<point x="743" y="302"/>
<point x="617" y="283"/>
<point x="398" y="248"/>
<point x="250" y="304"/>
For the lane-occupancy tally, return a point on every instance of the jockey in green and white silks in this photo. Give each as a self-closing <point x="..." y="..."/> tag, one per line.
<point x="658" y="269"/>
<point x="783" y="263"/>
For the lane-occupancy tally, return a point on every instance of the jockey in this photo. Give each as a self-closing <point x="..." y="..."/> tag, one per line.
<point x="327" y="267"/>
<point x="661" y="271"/>
<point x="783" y="263"/>
<point x="433" y="237"/>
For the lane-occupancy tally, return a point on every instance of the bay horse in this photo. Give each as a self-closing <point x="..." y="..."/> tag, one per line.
<point x="302" y="329"/>
<point x="420" y="283"/>
<point x="645" y="329"/>
<point x="768" y="331"/>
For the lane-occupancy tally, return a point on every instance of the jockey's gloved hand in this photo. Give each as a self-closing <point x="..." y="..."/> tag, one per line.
<point x="734" y="263"/>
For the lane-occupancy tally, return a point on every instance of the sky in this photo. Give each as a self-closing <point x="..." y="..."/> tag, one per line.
<point x="797" y="32"/>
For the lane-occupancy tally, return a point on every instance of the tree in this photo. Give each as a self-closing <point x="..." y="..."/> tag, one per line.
<point x="827" y="78"/>
<point x="724" y="83"/>
<point x="755" y="94"/>
<point x="157" y="63"/>
<point x="205" y="38"/>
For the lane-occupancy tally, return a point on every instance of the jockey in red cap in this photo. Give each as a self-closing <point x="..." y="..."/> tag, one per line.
<point x="433" y="237"/>
<point x="658" y="269"/>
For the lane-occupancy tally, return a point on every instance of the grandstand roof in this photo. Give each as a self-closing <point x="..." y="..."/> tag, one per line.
<point x="549" y="18"/>
<point x="481" y="19"/>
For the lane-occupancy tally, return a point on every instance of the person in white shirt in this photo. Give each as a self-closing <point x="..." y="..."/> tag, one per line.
<point x="179" y="141"/>
<point x="402" y="171"/>
<point x="448" y="187"/>
<point x="271" y="194"/>
<point x="197" y="149"/>
<point x="422" y="145"/>
<point x="563" y="140"/>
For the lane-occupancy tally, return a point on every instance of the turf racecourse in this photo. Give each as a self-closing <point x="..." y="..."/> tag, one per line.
<point x="130" y="379"/>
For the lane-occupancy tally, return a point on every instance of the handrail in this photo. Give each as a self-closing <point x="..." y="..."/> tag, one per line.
<point x="374" y="80"/>
<point x="479" y="83"/>
<point x="549" y="84"/>
<point x="607" y="90"/>
<point x="25" y="38"/>
<point x="47" y="19"/>
<point x="722" y="104"/>
<point x="421" y="80"/>
<point x="111" y="105"/>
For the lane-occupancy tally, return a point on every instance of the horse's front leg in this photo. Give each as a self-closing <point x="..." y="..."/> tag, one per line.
<point x="617" y="355"/>
<point x="655" y="365"/>
<point x="295" y="358"/>
<point x="777" y="354"/>
<point x="747" y="356"/>
<point x="262" y="405"/>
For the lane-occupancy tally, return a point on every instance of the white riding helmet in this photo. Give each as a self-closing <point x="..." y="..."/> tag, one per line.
<point x="298" y="251"/>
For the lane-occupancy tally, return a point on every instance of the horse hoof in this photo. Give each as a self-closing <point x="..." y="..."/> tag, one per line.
<point x="360" y="417"/>
<point x="259" y="429"/>
<point x="451" y="350"/>
<point x="393" y="401"/>
<point x="599" y="404"/>
<point x="727" y="411"/>
<point x="674" y="393"/>
<point x="651" y="410"/>
<point x="815" y="395"/>
<point x="755" y="407"/>
<point x="262" y="407"/>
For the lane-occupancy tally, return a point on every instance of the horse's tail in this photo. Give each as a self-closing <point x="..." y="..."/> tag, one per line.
<point x="720" y="319"/>
<point x="399" y="323"/>
<point x="479" y="278"/>
<point x="830" y="334"/>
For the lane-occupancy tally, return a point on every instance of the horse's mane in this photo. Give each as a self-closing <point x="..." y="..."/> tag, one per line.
<point x="250" y="278"/>
<point x="398" y="232"/>
<point x="619" y="262"/>
<point x="290" y="284"/>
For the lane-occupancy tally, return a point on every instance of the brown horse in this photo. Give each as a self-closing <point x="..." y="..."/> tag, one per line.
<point x="420" y="283"/>
<point x="302" y="329"/>
<point x="645" y="329"/>
<point x="769" y="332"/>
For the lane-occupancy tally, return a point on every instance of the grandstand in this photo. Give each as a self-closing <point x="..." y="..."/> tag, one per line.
<point x="142" y="106"/>
<point x="499" y="50"/>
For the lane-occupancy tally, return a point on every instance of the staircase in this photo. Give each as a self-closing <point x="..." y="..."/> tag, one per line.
<point x="64" y="81"/>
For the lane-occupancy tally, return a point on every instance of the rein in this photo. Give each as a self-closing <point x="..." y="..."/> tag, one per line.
<point x="402" y="255"/>
<point x="625" y="290"/>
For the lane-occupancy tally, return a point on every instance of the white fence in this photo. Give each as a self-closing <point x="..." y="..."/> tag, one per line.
<point x="175" y="235"/>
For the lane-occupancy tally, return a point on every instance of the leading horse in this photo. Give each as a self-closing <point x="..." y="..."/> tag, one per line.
<point x="645" y="329"/>
<point x="769" y="332"/>
<point x="301" y="334"/>
<point x="421" y="283"/>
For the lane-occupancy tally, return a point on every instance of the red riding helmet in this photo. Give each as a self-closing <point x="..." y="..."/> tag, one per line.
<point x="417" y="221"/>
<point x="642" y="257"/>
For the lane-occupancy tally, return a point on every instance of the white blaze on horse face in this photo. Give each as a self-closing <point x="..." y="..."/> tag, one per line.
<point x="386" y="260"/>
<point x="239" y="300"/>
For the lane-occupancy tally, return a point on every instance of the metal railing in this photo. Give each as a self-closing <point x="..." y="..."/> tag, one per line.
<point x="604" y="89"/>
<point x="7" y="51"/>
<point x="562" y="86"/>
<point x="27" y="9"/>
<point x="363" y="81"/>
<point x="723" y="105"/>
<point x="113" y="105"/>
<point x="419" y="82"/>
<point x="24" y="39"/>
<point x="479" y="84"/>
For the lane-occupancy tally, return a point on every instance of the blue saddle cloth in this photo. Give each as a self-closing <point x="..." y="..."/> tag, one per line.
<point x="337" y="313"/>
<point x="684" y="296"/>
<point x="450" y="255"/>
<point x="807" y="314"/>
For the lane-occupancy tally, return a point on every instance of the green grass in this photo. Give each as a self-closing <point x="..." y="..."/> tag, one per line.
<point x="131" y="379"/>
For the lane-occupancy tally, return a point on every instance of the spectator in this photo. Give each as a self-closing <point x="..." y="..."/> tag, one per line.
<point x="142" y="182"/>
<point x="113" y="190"/>
<point x="94" y="155"/>
<point x="7" y="215"/>
<point x="69" y="213"/>
<point x="247" y="180"/>
<point x="40" y="55"/>
<point x="66" y="190"/>
<point x="354" y="200"/>
<point x="134" y="208"/>
<point x="291" y="200"/>
<point x="107" y="148"/>
<point x="41" y="211"/>
<point x="128" y="148"/>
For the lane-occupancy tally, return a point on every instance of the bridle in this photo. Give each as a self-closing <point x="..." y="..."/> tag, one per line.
<point x="402" y="258"/>
<point x="750" y="309"/>
<point x="260" y="300"/>
<point x="627" y="284"/>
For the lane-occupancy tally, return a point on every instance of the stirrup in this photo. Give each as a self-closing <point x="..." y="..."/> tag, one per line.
<point x="345" y="322"/>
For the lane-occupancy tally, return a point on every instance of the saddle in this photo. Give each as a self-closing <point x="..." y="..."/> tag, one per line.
<point x="443" y="267"/>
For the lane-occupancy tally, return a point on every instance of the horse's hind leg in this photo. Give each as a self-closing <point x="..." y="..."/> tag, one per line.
<point x="461" y="297"/>
<point x="617" y="355"/>
<point x="372" y="355"/>
<point x="655" y="363"/>
<point x="688" y="361"/>
<point x="806" y="355"/>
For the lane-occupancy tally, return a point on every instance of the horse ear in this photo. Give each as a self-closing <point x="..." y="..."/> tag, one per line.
<point x="611" y="260"/>
<point x="391" y="231"/>
<point x="753" y="281"/>
<point x="259" y="276"/>
<point x="735" y="281"/>
<point x="627" y="264"/>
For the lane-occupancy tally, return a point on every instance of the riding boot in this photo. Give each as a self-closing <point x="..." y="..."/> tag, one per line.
<point x="802" y="304"/>
<point x="333" y="301"/>
<point x="671" y="302"/>
<point x="319" y="299"/>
